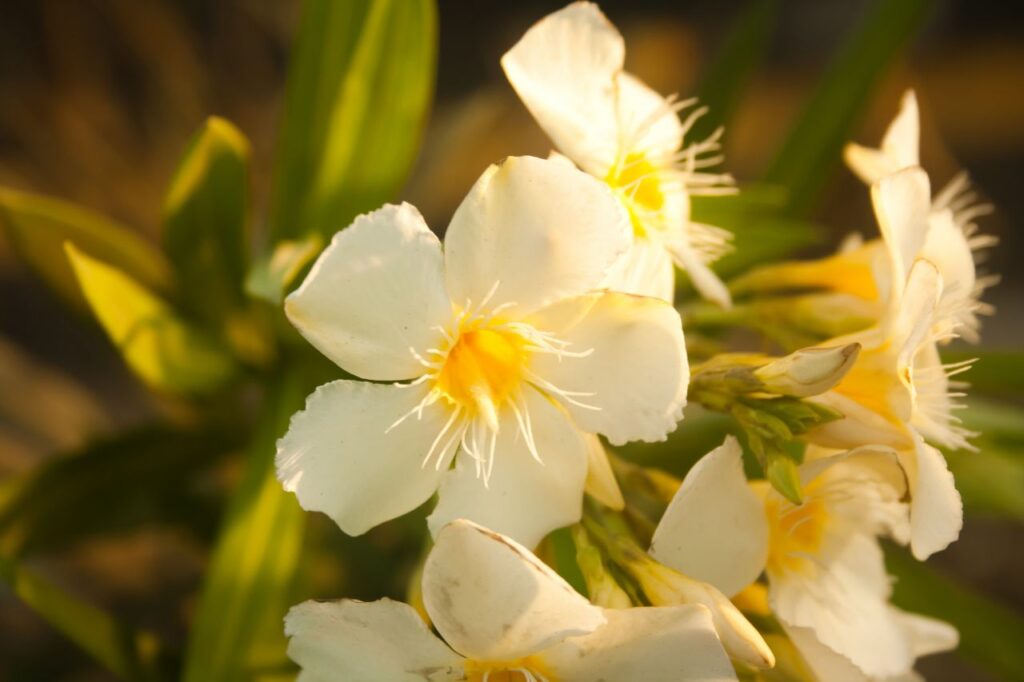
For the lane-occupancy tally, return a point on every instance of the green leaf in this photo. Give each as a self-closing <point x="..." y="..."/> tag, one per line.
<point x="991" y="481"/>
<point x="990" y="633"/>
<point x="996" y="371"/>
<point x="129" y="655"/>
<point x="38" y="226"/>
<point x="723" y="82"/>
<point x="142" y="476"/>
<point x="359" y="87"/>
<point x="272" y="277"/>
<point x="205" y="219"/>
<point x="781" y="471"/>
<point x="160" y="347"/>
<point x="816" y="139"/>
<point x="239" y="620"/>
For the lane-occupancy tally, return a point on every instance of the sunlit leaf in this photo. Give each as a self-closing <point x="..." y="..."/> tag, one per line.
<point x="38" y="226"/>
<point x="129" y="655"/>
<point x="815" y="141"/>
<point x="238" y="622"/>
<point x="205" y="219"/>
<point x="142" y="476"/>
<point x="272" y="277"/>
<point x="359" y="87"/>
<point x="990" y="633"/>
<point x="164" y="350"/>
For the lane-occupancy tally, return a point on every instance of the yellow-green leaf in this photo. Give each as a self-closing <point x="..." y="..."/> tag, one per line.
<point x="159" y="346"/>
<point x="205" y="219"/>
<point x="273" y="276"/>
<point x="38" y="226"/>
<point x="359" y="88"/>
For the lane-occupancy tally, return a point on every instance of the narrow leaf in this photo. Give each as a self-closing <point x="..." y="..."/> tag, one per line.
<point x="239" y="620"/>
<point x="129" y="655"/>
<point x="38" y="226"/>
<point x="272" y="277"/>
<point x="815" y="142"/>
<point x="359" y="88"/>
<point x="164" y="350"/>
<point x="205" y="219"/>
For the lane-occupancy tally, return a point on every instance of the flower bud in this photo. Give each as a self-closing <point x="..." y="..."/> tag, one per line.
<point x="809" y="371"/>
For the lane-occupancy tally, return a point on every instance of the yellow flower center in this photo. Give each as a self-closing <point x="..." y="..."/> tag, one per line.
<point x="637" y="181"/>
<point x="529" y="669"/>
<point x="483" y="368"/>
<point x="794" y="531"/>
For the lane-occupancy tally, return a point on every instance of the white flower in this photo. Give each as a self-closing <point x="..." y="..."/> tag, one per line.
<point x="568" y="70"/>
<point x="825" y="569"/>
<point x="511" y="358"/>
<point x="944" y="228"/>
<point x="504" y="617"/>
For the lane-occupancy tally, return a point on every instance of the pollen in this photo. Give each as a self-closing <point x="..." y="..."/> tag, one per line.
<point x="795" y="532"/>
<point x="638" y="182"/>
<point x="483" y="368"/>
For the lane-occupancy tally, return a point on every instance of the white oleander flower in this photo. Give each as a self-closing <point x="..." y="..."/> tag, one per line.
<point x="825" y="568"/>
<point x="568" y="70"/>
<point x="502" y="616"/>
<point x="510" y="357"/>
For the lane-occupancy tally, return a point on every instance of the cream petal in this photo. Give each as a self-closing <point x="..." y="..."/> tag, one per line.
<point x="375" y="292"/>
<point x="341" y="457"/>
<point x="704" y="279"/>
<point x="826" y="664"/>
<point x="948" y="249"/>
<point x="868" y="164"/>
<point x="936" y="510"/>
<point x="715" y="528"/>
<point x="934" y="403"/>
<point x="857" y="426"/>
<point x="648" y="122"/>
<point x="653" y="644"/>
<point x="645" y="270"/>
<point x="902" y="204"/>
<point x="531" y="232"/>
<point x="633" y="381"/>
<point x="908" y="326"/>
<point x="353" y="640"/>
<point x="927" y="635"/>
<point x="565" y="70"/>
<point x="523" y="498"/>
<point x="492" y="600"/>
<point x="899" y="148"/>
<point x="601" y="483"/>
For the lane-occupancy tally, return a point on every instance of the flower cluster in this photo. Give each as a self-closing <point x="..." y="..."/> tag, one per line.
<point x="487" y="369"/>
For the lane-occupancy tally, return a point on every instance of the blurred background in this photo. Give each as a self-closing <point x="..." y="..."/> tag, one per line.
<point x="98" y="99"/>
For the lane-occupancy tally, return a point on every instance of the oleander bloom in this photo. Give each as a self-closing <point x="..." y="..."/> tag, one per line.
<point x="824" y="566"/>
<point x="502" y="616"/>
<point x="568" y="70"/>
<point x="501" y="355"/>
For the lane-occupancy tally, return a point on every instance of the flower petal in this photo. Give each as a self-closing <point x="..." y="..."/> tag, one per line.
<point x="564" y="69"/>
<point x="653" y="644"/>
<point x="491" y="599"/>
<point x="601" y="483"/>
<point x="899" y="148"/>
<point x="936" y="510"/>
<point x="634" y="380"/>
<point x="353" y="640"/>
<point x="376" y="292"/>
<point x="341" y="457"/>
<point x="649" y="123"/>
<point x="715" y="528"/>
<point x="524" y="499"/>
<point x="902" y="204"/>
<point x="645" y="270"/>
<point x="704" y="279"/>
<point x="531" y="232"/>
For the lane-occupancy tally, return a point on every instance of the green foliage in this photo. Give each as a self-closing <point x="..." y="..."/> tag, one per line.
<point x="816" y="139"/>
<point x="359" y="87"/>
<point x="38" y="227"/>
<point x="166" y="351"/>
<point x="990" y="633"/>
<point x="273" y="276"/>
<point x="206" y="220"/>
<point x="129" y="655"/>
<point x="248" y="586"/>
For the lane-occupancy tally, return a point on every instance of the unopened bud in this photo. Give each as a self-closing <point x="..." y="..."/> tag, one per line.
<point x="809" y="371"/>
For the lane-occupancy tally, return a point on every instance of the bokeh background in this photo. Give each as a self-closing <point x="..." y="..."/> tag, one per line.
<point x="99" y="97"/>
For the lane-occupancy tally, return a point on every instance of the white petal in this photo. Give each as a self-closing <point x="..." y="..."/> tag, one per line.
<point x="902" y="204"/>
<point x="715" y="528"/>
<point x="564" y="69"/>
<point x="936" y="511"/>
<point x="934" y="404"/>
<point x="524" y="499"/>
<point x="857" y="426"/>
<point x="645" y="270"/>
<point x="826" y="664"/>
<point x="492" y="600"/>
<point x="704" y="279"/>
<point x="653" y="644"/>
<point x="601" y="483"/>
<point x="375" y="292"/>
<point x="649" y="123"/>
<point x="899" y="148"/>
<point x="352" y="640"/>
<point x="637" y="373"/>
<point x="845" y="604"/>
<point x="927" y="635"/>
<point x="869" y="164"/>
<point x="908" y="326"/>
<point x="339" y="456"/>
<point x="531" y="232"/>
<point x="948" y="249"/>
